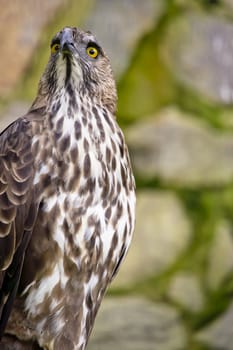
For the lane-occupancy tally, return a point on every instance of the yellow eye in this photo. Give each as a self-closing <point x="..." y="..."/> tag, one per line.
<point x="92" y="51"/>
<point x="55" y="48"/>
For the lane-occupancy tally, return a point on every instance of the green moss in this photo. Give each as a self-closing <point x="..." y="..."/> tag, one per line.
<point x="205" y="210"/>
<point x="70" y="14"/>
<point x="143" y="183"/>
<point x="216" y="304"/>
<point x="191" y="102"/>
<point x="225" y="118"/>
<point x="147" y="85"/>
<point x="197" y="346"/>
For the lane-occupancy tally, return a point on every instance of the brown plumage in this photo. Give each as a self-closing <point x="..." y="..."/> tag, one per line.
<point x="67" y="201"/>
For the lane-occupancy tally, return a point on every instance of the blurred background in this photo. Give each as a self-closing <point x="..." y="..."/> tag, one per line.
<point x="173" y="61"/>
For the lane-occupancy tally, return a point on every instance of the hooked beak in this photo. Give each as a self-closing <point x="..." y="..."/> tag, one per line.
<point x="67" y="42"/>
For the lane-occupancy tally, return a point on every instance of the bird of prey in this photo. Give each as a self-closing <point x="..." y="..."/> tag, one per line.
<point x="67" y="201"/>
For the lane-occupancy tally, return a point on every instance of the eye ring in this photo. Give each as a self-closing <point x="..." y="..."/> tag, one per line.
<point x="92" y="51"/>
<point x="55" y="47"/>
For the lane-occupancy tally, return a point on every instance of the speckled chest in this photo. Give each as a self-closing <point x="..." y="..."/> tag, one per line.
<point x="88" y="207"/>
<point x="84" y="163"/>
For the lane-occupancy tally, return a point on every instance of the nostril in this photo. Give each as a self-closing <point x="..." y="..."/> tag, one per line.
<point x="67" y="39"/>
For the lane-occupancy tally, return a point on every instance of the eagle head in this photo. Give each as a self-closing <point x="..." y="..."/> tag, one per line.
<point x="79" y="65"/>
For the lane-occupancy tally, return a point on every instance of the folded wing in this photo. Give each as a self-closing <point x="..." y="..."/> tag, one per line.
<point x="18" y="209"/>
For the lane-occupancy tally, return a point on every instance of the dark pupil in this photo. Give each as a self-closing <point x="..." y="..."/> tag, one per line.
<point x="92" y="51"/>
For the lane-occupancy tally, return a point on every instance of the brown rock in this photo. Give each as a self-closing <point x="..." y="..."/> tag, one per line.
<point x="162" y="233"/>
<point x="137" y="324"/>
<point x="21" y="22"/>
<point x="181" y="150"/>
<point x="198" y="49"/>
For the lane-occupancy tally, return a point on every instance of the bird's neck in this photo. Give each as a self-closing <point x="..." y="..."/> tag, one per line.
<point x="48" y="96"/>
<point x="67" y="99"/>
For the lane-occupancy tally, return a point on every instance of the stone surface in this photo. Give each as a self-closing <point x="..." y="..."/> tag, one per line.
<point x="137" y="324"/>
<point x="13" y="111"/>
<point x="119" y="25"/>
<point x="198" y="49"/>
<point x="162" y="233"/>
<point x="185" y="289"/>
<point x="219" y="334"/>
<point x="21" y="23"/>
<point x="229" y="4"/>
<point x="220" y="260"/>
<point x="180" y="150"/>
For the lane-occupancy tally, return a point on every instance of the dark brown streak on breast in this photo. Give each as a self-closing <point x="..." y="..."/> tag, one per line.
<point x="71" y="92"/>
<point x="68" y="70"/>
<point x="87" y="166"/>
<point x="99" y="124"/>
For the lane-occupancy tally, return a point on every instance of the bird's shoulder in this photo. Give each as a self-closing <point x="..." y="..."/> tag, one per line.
<point x="19" y="131"/>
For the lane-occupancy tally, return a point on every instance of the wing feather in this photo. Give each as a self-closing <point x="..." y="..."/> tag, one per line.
<point x="7" y="215"/>
<point x="18" y="207"/>
<point x="7" y="248"/>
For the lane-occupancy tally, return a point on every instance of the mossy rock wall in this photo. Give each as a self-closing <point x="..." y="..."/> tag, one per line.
<point x="173" y="60"/>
